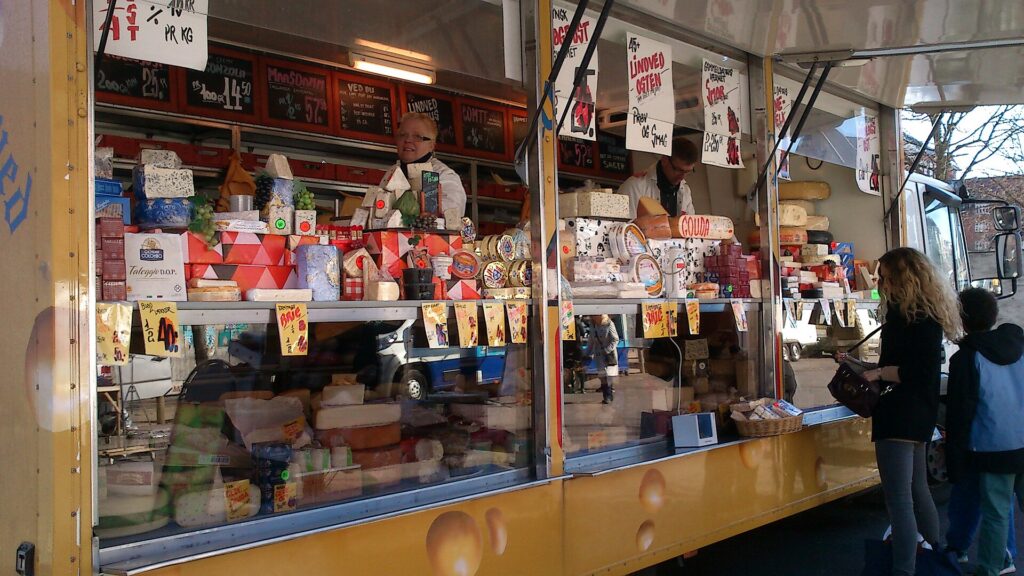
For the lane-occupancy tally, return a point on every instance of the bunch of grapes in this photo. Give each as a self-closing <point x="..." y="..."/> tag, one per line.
<point x="264" y="190"/>
<point x="302" y="197"/>
<point x="202" y="221"/>
<point x="425" y="222"/>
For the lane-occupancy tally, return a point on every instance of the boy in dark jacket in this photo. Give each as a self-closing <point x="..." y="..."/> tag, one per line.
<point x="984" y="419"/>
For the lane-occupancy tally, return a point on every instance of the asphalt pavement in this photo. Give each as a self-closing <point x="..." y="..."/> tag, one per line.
<point x="825" y="541"/>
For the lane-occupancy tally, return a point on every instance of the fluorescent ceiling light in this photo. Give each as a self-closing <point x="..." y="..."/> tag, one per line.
<point x="392" y="69"/>
<point x="387" y="49"/>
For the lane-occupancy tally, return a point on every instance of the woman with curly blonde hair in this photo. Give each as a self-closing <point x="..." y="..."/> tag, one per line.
<point x="920" y="308"/>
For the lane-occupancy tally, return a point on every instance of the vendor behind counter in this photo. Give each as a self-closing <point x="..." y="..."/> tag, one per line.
<point x="414" y="143"/>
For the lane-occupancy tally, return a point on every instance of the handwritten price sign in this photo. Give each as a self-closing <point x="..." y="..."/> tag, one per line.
<point x="113" y="333"/>
<point x="160" y="329"/>
<point x="167" y="31"/>
<point x="723" y="109"/>
<point x="293" y="329"/>
<point x="655" y="320"/>
<point x="651" y="104"/>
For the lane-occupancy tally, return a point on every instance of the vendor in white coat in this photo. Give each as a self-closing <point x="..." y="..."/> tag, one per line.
<point x="664" y="181"/>
<point x="414" y="142"/>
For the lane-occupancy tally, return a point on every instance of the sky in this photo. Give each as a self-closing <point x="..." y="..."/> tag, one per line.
<point x="996" y="166"/>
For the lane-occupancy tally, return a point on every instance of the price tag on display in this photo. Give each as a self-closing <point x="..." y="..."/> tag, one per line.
<point x="494" y="319"/>
<point x="740" y="315"/>
<point x="293" y="329"/>
<point x="160" y="329"/>
<point x="841" y="320"/>
<point x="654" y="321"/>
<point x="826" y="311"/>
<point x="671" y="310"/>
<point x="693" y="316"/>
<point x="568" y="317"/>
<point x="236" y="499"/>
<point x="171" y="32"/>
<point x="285" y="497"/>
<point x="293" y="430"/>
<point x="517" y="321"/>
<point x="113" y="333"/>
<point x="469" y="325"/>
<point x="435" y="323"/>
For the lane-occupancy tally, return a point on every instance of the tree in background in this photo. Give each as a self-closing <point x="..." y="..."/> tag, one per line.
<point x="966" y="140"/>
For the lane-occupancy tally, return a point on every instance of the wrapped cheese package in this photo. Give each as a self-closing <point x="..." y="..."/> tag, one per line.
<point x="819" y="223"/>
<point x="790" y="215"/>
<point x="208" y="507"/>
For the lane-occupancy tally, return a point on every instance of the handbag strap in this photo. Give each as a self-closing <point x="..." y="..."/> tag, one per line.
<point x="866" y="338"/>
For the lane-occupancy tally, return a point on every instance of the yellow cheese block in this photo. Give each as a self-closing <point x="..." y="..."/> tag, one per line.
<point x="817" y="223"/>
<point x="804" y="191"/>
<point x="792" y="215"/>
<point x="807" y="205"/>
<point x="792" y="236"/>
<point x="650" y="207"/>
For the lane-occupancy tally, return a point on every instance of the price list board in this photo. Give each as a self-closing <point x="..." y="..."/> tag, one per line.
<point x="297" y="96"/>
<point x="365" y="107"/>
<point x="226" y="89"/>
<point x="128" y="82"/>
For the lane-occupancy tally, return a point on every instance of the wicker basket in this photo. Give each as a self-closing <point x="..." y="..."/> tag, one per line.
<point x="769" y="427"/>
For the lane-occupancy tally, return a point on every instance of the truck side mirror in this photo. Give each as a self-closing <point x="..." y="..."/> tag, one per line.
<point x="1007" y="218"/>
<point x="1008" y="256"/>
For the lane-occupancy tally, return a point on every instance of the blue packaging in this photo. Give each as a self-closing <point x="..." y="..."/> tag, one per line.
<point x="164" y="213"/>
<point x="282" y="193"/>
<point x="319" y="270"/>
<point x="114" y="207"/>
<point x="105" y="187"/>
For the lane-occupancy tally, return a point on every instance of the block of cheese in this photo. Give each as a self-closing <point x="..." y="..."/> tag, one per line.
<point x="650" y="207"/>
<point x="354" y="416"/>
<point x="593" y="205"/>
<point x="790" y="215"/>
<point x="277" y="167"/>
<point x="253" y="394"/>
<point x="807" y="205"/>
<point x="130" y="515"/>
<point x="588" y="414"/>
<point x="814" y="250"/>
<point x="511" y="418"/>
<point x="208" y="507"/>
<point x="791" y="236"/>
<point x="204" y="283"/>
<point x="702" y="226"/>
<point x="343" y="395"/>
<point x="151" y="182"/>
<point x="215" y="294"/>
<point x="377" y="457"/>
<point x="819" y="260"/>
<point x="655" y="227"/>
<point x="804" y="191"/>
<point x="159" y="158"/>
<point x="819" y="223"/>
<point x="279" y="295"/>
<point x="361" y="438"/>
<point x="381" y="290"/>
<point x="395" y="180"/>
<point x="281" y="220"/>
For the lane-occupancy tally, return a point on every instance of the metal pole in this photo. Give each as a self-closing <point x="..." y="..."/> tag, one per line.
<point x="913" y="166"/>
<point x="805" y="115"/>
<point x="106" y="31"/>
<point x="581" y="72"/>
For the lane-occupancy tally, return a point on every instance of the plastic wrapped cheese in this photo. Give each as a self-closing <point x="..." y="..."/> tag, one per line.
<point x="804" y="191"/>
<point x="790" y="215"/>
<point x="819" y="223"/>
<point x="130" y="515"/>
<point x="208" y="507"/>
<point x="277" y="167"/>
<point x="151" y="182"/>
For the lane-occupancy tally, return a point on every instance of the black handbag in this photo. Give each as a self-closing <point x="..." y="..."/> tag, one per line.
<point x="852" y="390"/>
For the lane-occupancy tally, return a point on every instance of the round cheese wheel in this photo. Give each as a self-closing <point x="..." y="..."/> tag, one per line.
<point x="817" y="223"/>
<point x="646" y="270"/>
<point x="807" y="205"/>
<point x="792" y="236"/>
<point x="804" y="191"/>
<point x="655" y="226"/>
<point x="819" y="237"/>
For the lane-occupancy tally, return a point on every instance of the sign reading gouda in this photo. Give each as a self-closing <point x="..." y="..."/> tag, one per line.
<point x="702" y="226"/>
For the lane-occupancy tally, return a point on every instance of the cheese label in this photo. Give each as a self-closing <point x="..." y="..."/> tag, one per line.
<point x="739" y="313"/>
<point x="160" y="329"/>
<point x="435" y="323"/>
<point x="113" y="333"/>
<point x="285" y="497"/>
<point x="517" y="321"/>
<point x="292" y="430"/>
<point x="693" y="315"/>
<point x="236" y="499"/>
<point x="494" y="318"/>
<point x="671" y="310"/>
<point x="293" y="329"/>
<point x="568" y="319"/>
<point x="468" y="321"/>
<point x="654" y="321"/>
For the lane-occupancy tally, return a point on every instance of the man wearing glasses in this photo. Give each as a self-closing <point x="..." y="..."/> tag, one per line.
<point x="414" y="142"/>
<point x="664" y="181"/>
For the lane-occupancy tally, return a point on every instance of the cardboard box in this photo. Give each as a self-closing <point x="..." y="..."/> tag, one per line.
<point x="246" y="248"/>
<point x="155" y="267"/>
<point x="114" y="207"/>
<point x="196" y="251"/>
<point x="164" y="213"/>
<point x="248" y="277"/>
<point x="389" y="247"/>
<point x="111" y="248"/>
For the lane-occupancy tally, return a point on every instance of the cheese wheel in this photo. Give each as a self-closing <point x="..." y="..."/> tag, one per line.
<point x="804" y="191"/>
<point x="655" y="226"/>
<point x="646" y="270"/>
<point x="817" y="223"/>
<point x="792" y="215"/>
<point x="702" y="226"/>
<point x="807" y="205"/>
<point x="791" y="236"/>
<point x="377" y="457"/>
<point x="361" y="438"/>
<point x="819" y="237"/>
<point x="649" y="207"/>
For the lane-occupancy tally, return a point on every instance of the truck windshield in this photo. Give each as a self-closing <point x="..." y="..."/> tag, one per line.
<point x="944" y="242"/>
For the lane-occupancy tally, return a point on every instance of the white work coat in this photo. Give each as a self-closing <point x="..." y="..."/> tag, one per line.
<point x="646" y="184"/>
<point x="453" y="194"/>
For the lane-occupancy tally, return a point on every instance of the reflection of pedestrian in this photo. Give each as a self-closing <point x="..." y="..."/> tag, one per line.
<point x="603" y="343"/>
<point x="985" y="429"/>
<point x="442" y="335"/>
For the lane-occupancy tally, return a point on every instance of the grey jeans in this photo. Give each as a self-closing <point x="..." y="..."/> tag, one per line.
<point x="901" y="466"/>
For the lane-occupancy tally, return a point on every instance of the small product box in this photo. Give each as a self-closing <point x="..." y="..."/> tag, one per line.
<point x="155" y="267"/>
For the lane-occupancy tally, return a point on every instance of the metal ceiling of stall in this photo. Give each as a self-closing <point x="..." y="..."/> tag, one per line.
<point x="957" y="76"/>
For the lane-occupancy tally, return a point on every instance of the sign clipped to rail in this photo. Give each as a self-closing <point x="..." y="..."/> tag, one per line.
<point x="160" y="329"/>
<point x="167" y="31"/>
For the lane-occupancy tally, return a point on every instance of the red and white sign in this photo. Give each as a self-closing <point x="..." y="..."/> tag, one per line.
<point x="167" y="31"/>
<point x="723" y="108"/>
<point x="868" y="154"/>
<point x="582" y="119"/>
<point x="651" y="101"/>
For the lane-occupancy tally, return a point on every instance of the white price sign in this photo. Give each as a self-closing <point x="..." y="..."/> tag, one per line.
<point x="167" y="31"/>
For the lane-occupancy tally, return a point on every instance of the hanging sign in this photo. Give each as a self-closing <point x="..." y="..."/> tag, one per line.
<point x="469" y="329"/>
<point x="651" y="101"/>
<point x="654" y="320"/>
<point x="113" y="333"/>
<point x="171" y="32"/>
<point x="568" y="318"/>
<point x="826" y="311"/>
<point x="693" y="315"/>
<point x="293" y="329"/>
<point x="435" y="322"/>
<point x="782" y="103"/>
<point x="868" y="154"/>
<point x="739" y="313"/>
<point x="671" y="310"/>
<point x="851" y="312"/>
<point x="236" y="499"/>
<point x="791" y="318"/>
<point x="494" y="319"/>
<point x="840" y="311"/>
<point x="517" y="320"/>
<point x="160" y="329"/>
<point x="581" y="121"/>
<point x="720" y="90"/>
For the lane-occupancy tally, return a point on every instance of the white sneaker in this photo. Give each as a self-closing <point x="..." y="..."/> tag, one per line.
<point x="1009" y="569"/>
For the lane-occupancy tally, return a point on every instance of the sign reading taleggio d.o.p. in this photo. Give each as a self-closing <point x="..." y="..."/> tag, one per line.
<point x="155" y="267"/>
